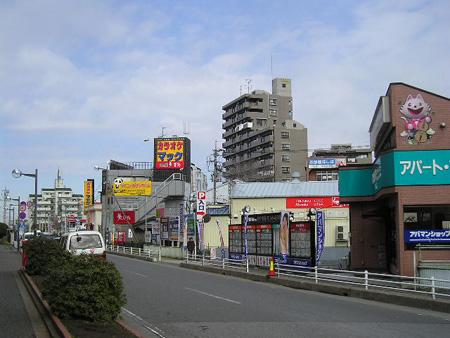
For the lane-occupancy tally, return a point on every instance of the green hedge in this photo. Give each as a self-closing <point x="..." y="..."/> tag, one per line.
<point x="44" y="255"/>
<point x="85" y="287"/>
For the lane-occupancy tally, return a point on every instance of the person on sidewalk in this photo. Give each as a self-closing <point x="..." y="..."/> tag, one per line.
<point x="191" y="246"/>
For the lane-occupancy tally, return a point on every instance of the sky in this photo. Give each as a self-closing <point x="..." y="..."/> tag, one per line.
<point x="83" y="82"/>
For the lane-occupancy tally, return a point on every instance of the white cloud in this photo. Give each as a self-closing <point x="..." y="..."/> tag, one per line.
<point x="115" y="75"/>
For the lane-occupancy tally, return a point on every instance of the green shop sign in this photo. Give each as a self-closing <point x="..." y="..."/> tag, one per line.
<point x="398" y="168"/>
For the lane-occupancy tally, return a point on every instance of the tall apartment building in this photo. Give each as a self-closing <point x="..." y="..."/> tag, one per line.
<point x="262" y="142"/>
<point x="57" y="208"/>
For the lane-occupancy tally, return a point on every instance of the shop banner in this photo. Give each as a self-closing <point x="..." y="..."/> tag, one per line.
<point x="314" y="202"/>
<point x="124" y="217"/>
<point x="320" y="223"/>
<point x="200" y="233"/>
<point x="121" y="187"/>
<point x="427" y="236"/>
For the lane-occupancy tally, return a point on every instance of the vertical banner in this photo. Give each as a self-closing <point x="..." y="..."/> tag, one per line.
<point x="284" y="234"/>
<point x="222" y="243"/>
<point x="200" y="233"/>
<point x="88" y="194"/>
<point x="185" y="232"/>
<point x="181" y="222"/>
<point x="320" y="223"/>
<point x="246" y="234"/>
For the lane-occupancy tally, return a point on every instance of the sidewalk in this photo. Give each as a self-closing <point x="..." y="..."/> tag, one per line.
<point x="19" y="316"/>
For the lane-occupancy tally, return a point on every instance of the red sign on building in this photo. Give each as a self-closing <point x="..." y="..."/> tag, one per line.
<point x="314" y="202"/>
<point x="124" y="217"/>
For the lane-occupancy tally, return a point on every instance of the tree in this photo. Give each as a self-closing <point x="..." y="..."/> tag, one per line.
<point x="3" y="229"/>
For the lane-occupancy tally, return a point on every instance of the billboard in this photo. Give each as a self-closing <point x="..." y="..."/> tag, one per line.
<point x="314" y="202"/>
<point x="88" y="193"/>
<point x="126" y="187"/>
<point x="124" y="217"/>
<point x="326" y="163"/>
<point x="169" y="154"/>
<point x="201" y="204"/>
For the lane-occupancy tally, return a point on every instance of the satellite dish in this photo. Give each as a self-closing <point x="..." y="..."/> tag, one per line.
<point x="206" y="218"/>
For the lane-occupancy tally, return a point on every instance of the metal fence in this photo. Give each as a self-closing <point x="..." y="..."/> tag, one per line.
<point x="224" y="263"/>
<point x="147" y="253"/>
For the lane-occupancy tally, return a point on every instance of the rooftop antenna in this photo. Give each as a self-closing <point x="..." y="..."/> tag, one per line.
<point x="240" y="90"/>
<point x="248" y="81"/>
<point x="186" y="128"/>
<point x="162" y="131"/>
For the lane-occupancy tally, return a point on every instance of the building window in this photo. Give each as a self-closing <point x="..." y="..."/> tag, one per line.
<point x="273" y="102"/>
<point x="327" y="176"/>
<point x="283" y="85"/>
<point x="261" y="123"/>
<point x="285" y="170"/>
<point x="284" y="134"/>
<point x="272" y="112"/>
<point x="285" y="146"/>
<point x="285" y="158"/>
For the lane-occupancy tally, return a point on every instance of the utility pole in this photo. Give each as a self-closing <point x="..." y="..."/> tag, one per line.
<point x="216" y="169"/>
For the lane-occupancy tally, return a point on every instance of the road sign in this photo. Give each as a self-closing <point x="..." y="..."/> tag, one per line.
<point x="201" y="204"/>
<point x="22" y="215"/>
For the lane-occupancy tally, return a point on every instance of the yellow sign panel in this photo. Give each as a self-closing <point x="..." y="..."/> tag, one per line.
<point x="88" y="193"/>
<point x="169" y="154"/>
<point x="131" y="188"/>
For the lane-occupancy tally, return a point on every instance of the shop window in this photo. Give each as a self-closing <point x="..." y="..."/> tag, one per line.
<point x="426" y="217"/>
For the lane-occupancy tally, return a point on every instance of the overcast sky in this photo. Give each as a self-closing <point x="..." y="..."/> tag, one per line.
<point x="82" y="82"/>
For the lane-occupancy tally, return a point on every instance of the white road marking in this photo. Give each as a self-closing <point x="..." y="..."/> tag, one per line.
<point x="136" y="273"/>
<point x="143" y="321"/>
<point x="214" y="296"/>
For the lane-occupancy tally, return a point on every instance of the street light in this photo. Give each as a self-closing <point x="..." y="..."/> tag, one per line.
<point x="16" y="173"/>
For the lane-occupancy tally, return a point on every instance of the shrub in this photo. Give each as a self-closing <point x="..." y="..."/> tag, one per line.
<point x="3" y="229"/>
<point x="85" y="288"/>
<point x="44" y="255"/>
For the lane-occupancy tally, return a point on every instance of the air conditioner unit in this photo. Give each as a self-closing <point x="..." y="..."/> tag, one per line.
<point x="341" y="234"/>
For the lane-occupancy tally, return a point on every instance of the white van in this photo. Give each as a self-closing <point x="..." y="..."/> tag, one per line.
<point x="84" y="242"/>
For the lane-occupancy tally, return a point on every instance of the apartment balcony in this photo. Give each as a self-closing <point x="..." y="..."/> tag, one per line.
<point x="228" y="133"/>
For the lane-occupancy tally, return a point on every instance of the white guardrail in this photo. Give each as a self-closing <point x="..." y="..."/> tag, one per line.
<point x="147" y="253"/>
<point x="436" y="288"/>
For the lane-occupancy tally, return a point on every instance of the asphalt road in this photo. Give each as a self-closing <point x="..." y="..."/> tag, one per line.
<point x="167" y="301"/>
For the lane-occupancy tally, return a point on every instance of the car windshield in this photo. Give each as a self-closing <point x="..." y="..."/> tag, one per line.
<point x="85" y="241"/>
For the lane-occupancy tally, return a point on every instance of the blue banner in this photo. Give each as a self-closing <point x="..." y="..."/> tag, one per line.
<point x="427" y="236"/>
<point x="320" y="223"/>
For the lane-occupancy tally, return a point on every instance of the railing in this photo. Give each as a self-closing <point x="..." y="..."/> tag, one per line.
<point x="151" y="254"/>
<point x="224" y="263"/>
<point x="417" y="285"/>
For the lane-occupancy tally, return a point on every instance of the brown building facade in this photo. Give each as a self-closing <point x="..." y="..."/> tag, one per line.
<point x="400" y="204"/>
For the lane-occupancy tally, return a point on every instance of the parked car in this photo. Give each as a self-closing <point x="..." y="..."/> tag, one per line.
<point x="84" y="242"/>
<point x="28" y="236"/>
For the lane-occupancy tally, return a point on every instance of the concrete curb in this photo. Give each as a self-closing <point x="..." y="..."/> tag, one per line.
<point x="384" y="296"/>
<point x="61" y="330"/>
<point x="58" y="325"/>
